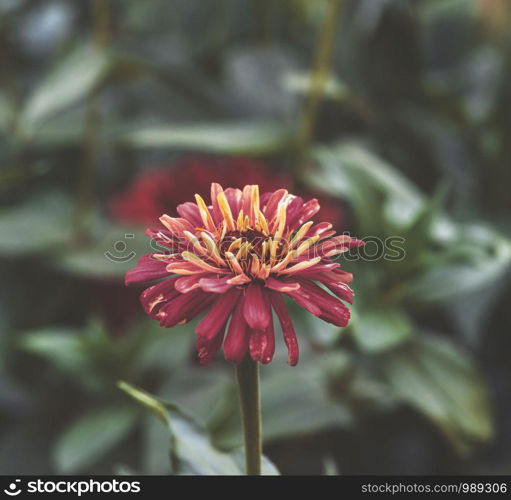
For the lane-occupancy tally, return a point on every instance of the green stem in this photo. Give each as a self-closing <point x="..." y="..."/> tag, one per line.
<point x="247" y="375"/>
<point x="319" y="77"/>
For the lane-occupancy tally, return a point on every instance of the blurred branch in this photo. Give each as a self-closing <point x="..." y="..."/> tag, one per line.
<point x="102" y="23"/>
<point x="319" y="78"/>
<point x="88" y="168"/>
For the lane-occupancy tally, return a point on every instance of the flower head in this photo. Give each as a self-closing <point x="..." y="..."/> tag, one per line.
<point x="236" y="258"/>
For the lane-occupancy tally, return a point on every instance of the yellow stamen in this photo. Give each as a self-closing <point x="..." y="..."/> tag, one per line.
<point x="254" y="205"/>
<point x="306" y="244"/>
<point x="255" y="266"/>
<point x="274" y="244"/>
<point x="239" y="279"/>
<point x="197" y="261"/>
<point x="195" y="242"/>
<point x="264" y="272"/>
<point x="281" y="219"/>
<point x="300" y="234"/>
<point x="301" y="266"/>
<point x="235" y="245"/>
<point x="225" y="208"/>
<point x="244" y="250"/>
<point x="175" y="269"/>
<point x="284" y="262"/>
<point x="213" y="251"/>
<point x="264" y="249"/>
<point x="164" y="256"/>
<point x="204" y="213"/>
<point x="239" y="222"/>
<point x="263" y="223"/>
<point x="235" y="265"/>
<point x="172" y="224"/>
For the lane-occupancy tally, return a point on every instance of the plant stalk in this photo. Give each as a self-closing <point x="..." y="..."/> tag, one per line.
<point x="247" y="375"/>
<point x="318" y="80"/>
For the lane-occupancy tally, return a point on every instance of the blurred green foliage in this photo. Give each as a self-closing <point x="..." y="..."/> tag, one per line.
<point x="411" y="136"/>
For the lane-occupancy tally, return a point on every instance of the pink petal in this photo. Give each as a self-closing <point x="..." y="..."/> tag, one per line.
<point x="319" y="269"/>
<point x="332" y="309"/>
<point x="281" y="286"/>
<point x="215" y="285"/>
<point x="236" y="341"/>
<point x="309" y="210"/>
<point x="148" y="269"/>
<point x="216" y="189"/>
<point x="216" y="318"/>
<point x="262" y="342"/>
<point x="207" y="348"/>
<point x="319" y="229"/>
<point x="163" y="237"/>
<point x="342" y="290"/>
<point x="293" y="212"/>
<point x="182" y="308"/>
<point x="256" y="311"/>
<point x="270" y="210"/>
<point x="155" y="296"/>
<point x="190" y="211"/>
<point x="304" y="300"/>
<point x="286" y="324"/>
<point x="186" y="284"/>
<point x="234" y="199"/>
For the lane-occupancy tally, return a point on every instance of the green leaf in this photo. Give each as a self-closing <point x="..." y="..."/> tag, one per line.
<point x="60" y="346"/>
<point x="349" y="169"/>
<point x="491" y="263"/>
<point x="379" y="330"/>
<point x="191" y="448"/>
<point x="91" y="438"/>
<point x="39" y="224"/>
<point x="232" y="138"/>
<point x="152" y="404"/>
<point x="70" y="81"/>
<point x="437" y="379"/>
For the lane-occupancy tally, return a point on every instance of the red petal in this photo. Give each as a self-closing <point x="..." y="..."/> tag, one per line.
<point x="301" y="212"/>
<point x="286" y="324"/>
<point x="234" y="199"/>
<point x="182" y="308"/>
<point x="216" y="318"/>
<point x="207" y="348"/>
<point x="293" y="212"/>
<point x="216" y="189"/>
<point x="281" y="286"/>
<point x="270" y="211"/>
<point x="236" y="341"/>
<point x="262" y="342"/>
<point x="255" y="309"/>
<point x="186" y="284"/>
<point x="304" y="300"/>
<point x="332" y="309"/>
<point x="148" y="269"/>
<point x="215" y="285"/>
<point x="190" y="212"/>
<point x="155" y="296"/>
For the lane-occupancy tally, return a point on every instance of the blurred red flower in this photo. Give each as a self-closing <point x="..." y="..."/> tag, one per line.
<point x="158" y="191"/>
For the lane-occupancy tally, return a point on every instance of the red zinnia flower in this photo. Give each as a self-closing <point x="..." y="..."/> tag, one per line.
<point x="158" y="191"/>
<point x="237" y="257"/>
